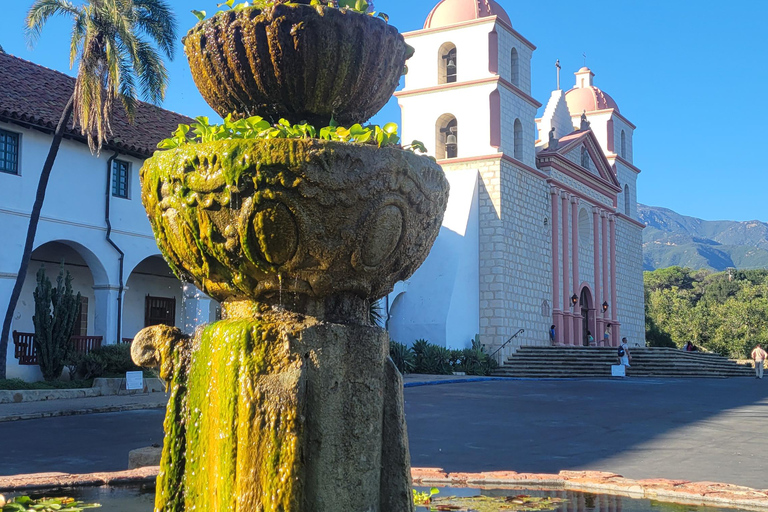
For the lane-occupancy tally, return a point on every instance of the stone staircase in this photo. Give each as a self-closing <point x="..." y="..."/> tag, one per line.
<point x="569" y="362"/>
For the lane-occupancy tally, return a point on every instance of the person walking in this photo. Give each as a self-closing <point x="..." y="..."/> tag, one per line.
<point x="624" y="356"/>
<point x="607" y="335"/>
<point x="759" y="355"/>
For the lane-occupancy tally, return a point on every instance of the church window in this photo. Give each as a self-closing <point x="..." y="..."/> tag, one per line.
<point x="623" y="144"/>
<point x="446" y="137"/>
<point x="518" y="140"/>
<point x="447" y="64"/>
<point x="120" y="180"/>
<point x="515" y="68"/>
<point x="584" y="157"/>
<point x="626" y="199"/>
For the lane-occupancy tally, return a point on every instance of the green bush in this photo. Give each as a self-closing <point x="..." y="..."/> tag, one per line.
<point x="431" y="359"/>
<point x="403" y="357"/>
<point x="107" y="361"/>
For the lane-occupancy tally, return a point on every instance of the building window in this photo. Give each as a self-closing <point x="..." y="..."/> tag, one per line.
<point x="518" y="150"/>
<point x="623" y="144"/>
<point x="447" y="64"/>
<point x="159" y="310"/>
<point x="120" y="178"/>
<point x="515" y="68"/>
<point x="9" y="152"/>
<point x="626" y="200"/>
<point x="584" y="157"/>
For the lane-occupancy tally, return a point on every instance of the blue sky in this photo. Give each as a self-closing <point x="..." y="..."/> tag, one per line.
<point x="689" y="75"/>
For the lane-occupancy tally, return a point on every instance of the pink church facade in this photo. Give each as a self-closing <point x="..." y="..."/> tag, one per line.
<point x="538" y="232"/>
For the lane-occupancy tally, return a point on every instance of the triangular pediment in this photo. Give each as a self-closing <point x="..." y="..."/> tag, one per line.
<point x="582" y="150"/>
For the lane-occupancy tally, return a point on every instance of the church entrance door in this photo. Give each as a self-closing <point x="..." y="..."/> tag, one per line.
<point x="585" y="302"/>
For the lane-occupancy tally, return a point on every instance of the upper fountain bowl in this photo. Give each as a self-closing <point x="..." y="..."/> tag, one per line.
<point x="298" y="62"/>
<point x="248" y="219"/>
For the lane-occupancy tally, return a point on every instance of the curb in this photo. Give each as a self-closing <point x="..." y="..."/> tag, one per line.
<point x="674" y="491"/>
<point x="487" y="379"/>
<point x="76" y="412"/>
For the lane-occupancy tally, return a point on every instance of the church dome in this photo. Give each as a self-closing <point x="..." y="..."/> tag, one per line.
<point x="450" y="12"/>
<point x="587" y="97"/>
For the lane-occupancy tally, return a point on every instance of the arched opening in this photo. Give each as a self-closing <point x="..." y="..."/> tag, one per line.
<point x="153" y="296"/>
<point x="587" y="312"/>
<point x="446" y="137"/>
<point x="515" y="61"/>
<point x="626" y="200"/>
<point x="584" y="157"/>
<point x="623" y="144"/>
<point x="518" y="152"/>
<point x="446" y="64"/>
<point x="86" y="270"/>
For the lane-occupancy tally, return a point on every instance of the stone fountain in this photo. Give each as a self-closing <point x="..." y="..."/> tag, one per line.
<point x="290" y="402"/>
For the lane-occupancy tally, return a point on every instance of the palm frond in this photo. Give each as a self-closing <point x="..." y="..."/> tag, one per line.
<point x="116" y="45"/>
<point x="42" y="10"/>
<point x="157" y="20"/>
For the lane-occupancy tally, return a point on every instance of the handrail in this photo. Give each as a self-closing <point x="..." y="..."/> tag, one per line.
<point x="518" y="333"/>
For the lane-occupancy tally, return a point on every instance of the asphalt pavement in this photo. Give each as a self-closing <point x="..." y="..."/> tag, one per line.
<point x="693" y="429"/>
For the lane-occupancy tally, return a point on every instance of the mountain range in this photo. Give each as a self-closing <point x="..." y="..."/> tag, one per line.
<point x="672" y="239"/>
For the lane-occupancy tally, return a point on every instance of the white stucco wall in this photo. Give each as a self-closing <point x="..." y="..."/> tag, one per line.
<point x="73" y="213"/>
<point x="440" y="303"/>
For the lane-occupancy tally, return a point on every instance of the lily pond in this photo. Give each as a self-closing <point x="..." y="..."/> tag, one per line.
<point x="141" y="499"/>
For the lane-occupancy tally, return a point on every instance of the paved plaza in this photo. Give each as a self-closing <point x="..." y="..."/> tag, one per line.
<point x="690" y="429"/>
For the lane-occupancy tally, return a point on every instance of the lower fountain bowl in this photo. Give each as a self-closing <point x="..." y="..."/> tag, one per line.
<point x="252" y="219"/>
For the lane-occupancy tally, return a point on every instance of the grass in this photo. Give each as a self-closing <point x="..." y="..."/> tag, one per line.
<point x="18" y="384"/>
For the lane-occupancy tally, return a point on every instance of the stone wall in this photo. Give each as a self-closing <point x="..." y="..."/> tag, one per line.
<point x="629" y="278"/>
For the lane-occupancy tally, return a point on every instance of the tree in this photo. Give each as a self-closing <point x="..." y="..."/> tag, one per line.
<point x="115" y="44"/>
<point x="56" y="312"/>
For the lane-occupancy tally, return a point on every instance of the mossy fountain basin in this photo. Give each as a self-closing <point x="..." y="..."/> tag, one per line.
<point x="256" y="219"/>
<point x="298" y="62"/>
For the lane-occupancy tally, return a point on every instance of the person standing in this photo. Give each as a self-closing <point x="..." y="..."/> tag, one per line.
<point x="607" y="335"/>
<point x="759" y="355"/>
<point x="624" y="356"/>
<point x="552" y="334"/>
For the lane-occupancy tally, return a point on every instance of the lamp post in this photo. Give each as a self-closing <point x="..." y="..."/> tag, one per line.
<point x="605" y="306"/>
<point x="574" y="300"/>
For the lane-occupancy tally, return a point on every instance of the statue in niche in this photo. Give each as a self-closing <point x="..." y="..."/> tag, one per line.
<point x="553" y="143"/>
<point x="584" y="122"/>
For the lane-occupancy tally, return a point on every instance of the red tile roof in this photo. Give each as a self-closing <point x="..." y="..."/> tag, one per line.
<point x="34" y="96"/>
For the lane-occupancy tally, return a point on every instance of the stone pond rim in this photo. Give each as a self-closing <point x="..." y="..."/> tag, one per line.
<point x="298" y="62"/>
<point x="268" y="220"/>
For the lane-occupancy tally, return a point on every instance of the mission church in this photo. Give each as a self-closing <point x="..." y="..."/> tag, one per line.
<point x="537" y="232"/>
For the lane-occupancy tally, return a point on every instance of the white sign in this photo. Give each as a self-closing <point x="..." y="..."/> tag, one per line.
<point x="618" y="370"/>
<point x="134" y="380"/>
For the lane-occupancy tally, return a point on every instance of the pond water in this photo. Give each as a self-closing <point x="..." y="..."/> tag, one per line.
<point x="575" y="501"/>
<point x="141" y="499"/>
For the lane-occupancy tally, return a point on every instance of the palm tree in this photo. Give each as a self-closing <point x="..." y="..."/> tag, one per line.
<point x="115" y="44"/>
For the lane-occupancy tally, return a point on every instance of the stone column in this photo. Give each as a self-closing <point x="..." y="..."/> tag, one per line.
<point x="597" y="322"/>
<point x="606" y="318"/>
<point x="615" y="334"/>
<point x="577" y="319"/>
<point x="105" y="312"/>
<point x="195" y="310"/>
<point x="567" y="316"/>
<point x="557" y="313"/>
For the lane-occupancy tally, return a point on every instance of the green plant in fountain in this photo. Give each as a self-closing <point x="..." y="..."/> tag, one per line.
<point x="22" y="503"/>
<point x="360" y="6"/>
<point x="258" y="128"/>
